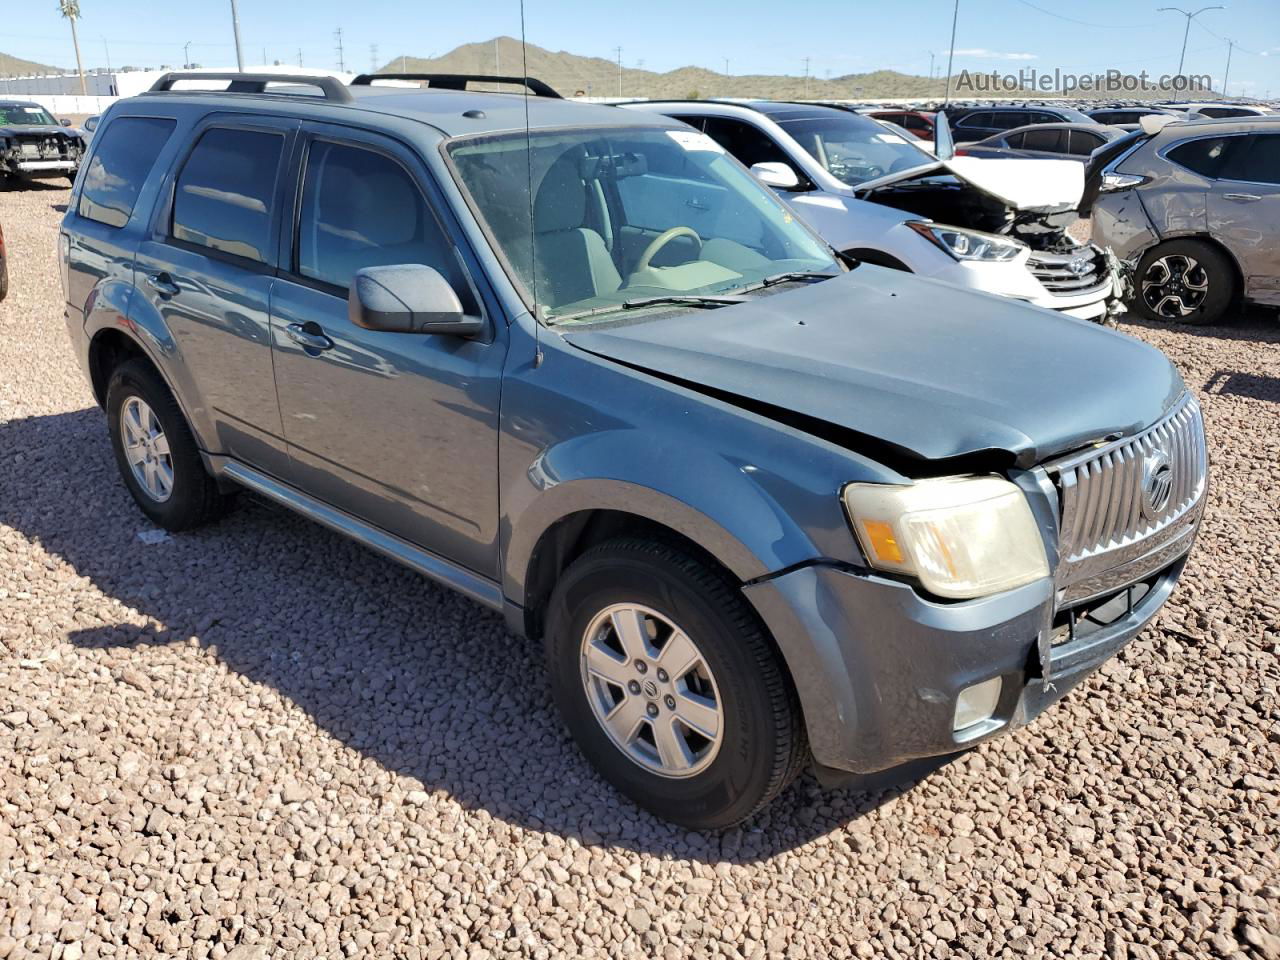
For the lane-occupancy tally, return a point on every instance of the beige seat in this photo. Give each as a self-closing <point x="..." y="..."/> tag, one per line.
<point x="573" y="262"/>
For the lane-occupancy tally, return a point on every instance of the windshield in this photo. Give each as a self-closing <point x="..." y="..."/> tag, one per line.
<point x="18" y="114"/>
<point x="855" y="149"/>
<point x="629" y="214"/>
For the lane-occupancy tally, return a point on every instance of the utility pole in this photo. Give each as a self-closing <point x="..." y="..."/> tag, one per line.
<point x="342" y="64"/>
<point x="186" y="55"/>
<point x="931" y="66"/>
<point x="1227" y="73"/>
<point x="373" y="58"/>
<point x="1190" y="17"/>
<point x="235" y="26"/>
<point x="951" y="52"/>
<point x="497" y="58"/>
<point x="107" y="51"/>
<point x="806" y="78"/>
<point x="618" y="52"/>
<point x="299" y="56"/>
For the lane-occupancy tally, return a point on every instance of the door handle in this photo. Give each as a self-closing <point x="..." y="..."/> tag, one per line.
<point x="312" y="341"/>
<point x="163" y="284"/>
<point x="1242" y="197"/>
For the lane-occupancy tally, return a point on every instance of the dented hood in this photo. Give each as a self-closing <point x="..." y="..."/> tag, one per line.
<point x="930" y="370"/>
<point x="1022" y="184"/>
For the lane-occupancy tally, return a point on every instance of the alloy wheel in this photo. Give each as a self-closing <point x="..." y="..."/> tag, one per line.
<point x="147" y="449"/>
<point x="1175" y="286"/>
<point x="651" y="690"/>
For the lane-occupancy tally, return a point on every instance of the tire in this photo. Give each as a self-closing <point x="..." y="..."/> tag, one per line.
<point x="761" y="743"/>
<point x="1184" y="281"/>
<point x="190" y="497"/>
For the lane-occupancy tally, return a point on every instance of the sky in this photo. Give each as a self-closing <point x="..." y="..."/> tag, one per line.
<point x="755" y="36"/>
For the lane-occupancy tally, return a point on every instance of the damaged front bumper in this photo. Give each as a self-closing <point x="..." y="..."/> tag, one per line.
<point x="35" y="160"/>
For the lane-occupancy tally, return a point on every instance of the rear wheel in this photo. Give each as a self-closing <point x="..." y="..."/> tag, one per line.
<point x="1184" y="281"/>
<point x="669" y="685"/>
<point x="156" y="453"/>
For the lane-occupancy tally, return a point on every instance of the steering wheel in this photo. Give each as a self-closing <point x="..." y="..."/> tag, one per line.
<point x="661" y="240"/>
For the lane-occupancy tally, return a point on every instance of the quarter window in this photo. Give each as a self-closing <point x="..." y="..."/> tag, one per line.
<point x="126" y="152"/>
<point x="226" y="190"/>
<point x="362" y="209"/>
<point x="1082" y="143"/>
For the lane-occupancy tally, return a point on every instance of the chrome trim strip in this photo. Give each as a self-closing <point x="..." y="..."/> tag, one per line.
<point x="428" y="564"/>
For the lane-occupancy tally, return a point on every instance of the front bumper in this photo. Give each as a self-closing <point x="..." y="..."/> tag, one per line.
<point x="35" y="169"/>
<point x="879" y="668"/>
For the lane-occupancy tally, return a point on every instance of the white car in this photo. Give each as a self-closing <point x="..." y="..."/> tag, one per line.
<point x="999" y="226"/>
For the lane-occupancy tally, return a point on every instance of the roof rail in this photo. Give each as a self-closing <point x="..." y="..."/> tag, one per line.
<point x="459" y="81"/>
<point x="334" y="90"/>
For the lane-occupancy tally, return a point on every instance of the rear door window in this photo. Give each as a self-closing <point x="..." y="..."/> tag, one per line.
<point x="1204" y="156"/>
<point x="1081" y="143"/>
<point x="125" y="153"/>
<point x="1050" y="141"/>
<point x="225" y="193"/>
<point x="1256" y="159"/>
<point x="980" y="121"/>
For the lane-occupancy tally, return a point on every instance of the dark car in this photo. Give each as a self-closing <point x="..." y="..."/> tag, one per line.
<point x="761" y="505"/>
<point x="34" y="145"/>
<point x="1054" y="141"/>
<point x="4" y="268"/>
<point x="1122" y="116"/>
<point x="972" y="123"/>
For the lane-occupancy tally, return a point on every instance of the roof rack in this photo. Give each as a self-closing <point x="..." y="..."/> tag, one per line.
<point x="459" y="81"/>
<point x="333" y="89"/>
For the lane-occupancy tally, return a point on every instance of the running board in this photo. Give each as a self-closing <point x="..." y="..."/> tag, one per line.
<point x="415" y="558"/>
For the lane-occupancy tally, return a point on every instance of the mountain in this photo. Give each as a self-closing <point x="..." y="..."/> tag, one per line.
<point x="598" y="77"/>
<point x="13" y="66"/>
<point x="569" y="73"/>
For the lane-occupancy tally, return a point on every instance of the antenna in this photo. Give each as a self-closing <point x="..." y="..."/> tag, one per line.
<point x="528" y="156"/>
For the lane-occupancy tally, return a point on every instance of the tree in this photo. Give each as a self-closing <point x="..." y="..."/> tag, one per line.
<point x="71" y="10"/>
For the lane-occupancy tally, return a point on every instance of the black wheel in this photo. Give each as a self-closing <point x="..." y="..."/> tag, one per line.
<point x="1184" y="281"/>
<point x="671" y="688"/>
<point x="156" y="452"/>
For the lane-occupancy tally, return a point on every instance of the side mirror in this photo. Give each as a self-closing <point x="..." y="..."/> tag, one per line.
<point x="777" y="175"/>
<point x="408" y="298"/>
<point x="65" y="122"/>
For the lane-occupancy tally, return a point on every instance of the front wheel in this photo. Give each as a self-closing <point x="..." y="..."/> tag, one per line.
<point x="670" y="686"/>
<point x="1184" y="281"/>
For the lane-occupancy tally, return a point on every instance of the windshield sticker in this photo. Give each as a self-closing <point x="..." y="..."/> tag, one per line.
<point x="692" y="140"/>
<point x="887" y="138"/>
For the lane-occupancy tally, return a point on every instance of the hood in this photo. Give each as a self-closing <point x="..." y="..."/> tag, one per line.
<point x="1021" y="184"/>
<point x="930" y="370"/>
<point x="38" y="129"/>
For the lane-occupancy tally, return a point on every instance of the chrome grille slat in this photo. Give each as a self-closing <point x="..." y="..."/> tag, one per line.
<point x="1102" y="521"/>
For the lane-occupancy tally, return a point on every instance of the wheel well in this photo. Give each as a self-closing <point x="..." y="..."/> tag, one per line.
<point x="1208" y="241"/>
<point x="878" y="258"/>
<point x="108" y="350"/>
<point x="571" y="536"/>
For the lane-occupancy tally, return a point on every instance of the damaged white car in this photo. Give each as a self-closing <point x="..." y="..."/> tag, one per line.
<point x="999" y="226"/>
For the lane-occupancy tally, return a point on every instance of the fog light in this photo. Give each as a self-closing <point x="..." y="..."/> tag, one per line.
<point x="976" y="703"/>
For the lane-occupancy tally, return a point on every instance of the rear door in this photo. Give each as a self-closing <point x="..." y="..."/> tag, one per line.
<point x="207" y="268"/>
<point x="398" y="429"/>
<point x="1244" y="212"/>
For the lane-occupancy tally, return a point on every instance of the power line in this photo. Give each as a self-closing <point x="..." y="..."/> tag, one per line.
<point x="1083" y="23"/>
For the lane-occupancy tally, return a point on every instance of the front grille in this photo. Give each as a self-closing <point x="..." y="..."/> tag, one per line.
<point x="49" y="147"/>
<point x="1069" y="274"/>
<point x="1115" y="513"/>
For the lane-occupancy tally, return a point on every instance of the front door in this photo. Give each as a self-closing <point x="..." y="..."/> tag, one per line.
<point x="398" y="429"/>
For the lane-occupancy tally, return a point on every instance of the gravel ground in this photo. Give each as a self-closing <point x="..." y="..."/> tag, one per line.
<point x="261" y="740"/>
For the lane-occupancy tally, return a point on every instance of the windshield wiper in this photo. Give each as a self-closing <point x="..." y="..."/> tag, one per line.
<point x="682" y="299"/>
<point x="794" y="276"/>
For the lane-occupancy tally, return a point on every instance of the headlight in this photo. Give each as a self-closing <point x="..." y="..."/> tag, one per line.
<point x="961" y="537"/>
<point x="967" y="244"/>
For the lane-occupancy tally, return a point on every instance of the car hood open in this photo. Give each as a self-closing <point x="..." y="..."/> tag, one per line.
<point x="929" y="370"/>
<point x="1019" y="183"/>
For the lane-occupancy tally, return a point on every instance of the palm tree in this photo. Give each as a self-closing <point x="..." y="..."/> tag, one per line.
<point x="71" y="10"/>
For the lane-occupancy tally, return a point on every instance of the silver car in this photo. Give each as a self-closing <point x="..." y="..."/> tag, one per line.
<point x="1197" y="208"/>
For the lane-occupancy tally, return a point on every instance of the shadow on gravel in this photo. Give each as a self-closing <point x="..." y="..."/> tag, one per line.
<point x="411" y="675"/>
<point x="1254" y="324"/>
<point x="17" y="183"/>
<point x="1254" y="386"/>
